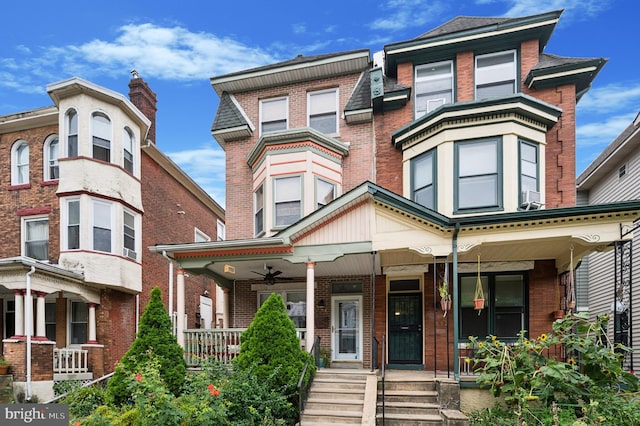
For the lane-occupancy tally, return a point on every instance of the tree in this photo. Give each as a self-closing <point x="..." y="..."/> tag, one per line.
<point x="271" y="343"/>
<point x="154" y="340"/>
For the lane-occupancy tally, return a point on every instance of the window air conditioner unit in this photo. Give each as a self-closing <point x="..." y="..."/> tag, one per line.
<point x="531" y="200"/>
<point x="129" y="253"/>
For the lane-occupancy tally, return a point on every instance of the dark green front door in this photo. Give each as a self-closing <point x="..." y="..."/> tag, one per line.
<point x="405" y="328"/>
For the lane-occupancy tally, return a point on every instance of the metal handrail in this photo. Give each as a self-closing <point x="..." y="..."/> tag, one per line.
<point x="86" y="385"/>
<point x="302" y="392"/>
<point x="384" y="350"/>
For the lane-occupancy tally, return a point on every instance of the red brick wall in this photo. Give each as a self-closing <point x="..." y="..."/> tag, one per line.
<point x="357" y="166"/>
<point x="162" y="199"/>
<point x="465" y="81"/>
<point x="41" y="354"/>
<point x="33" y="198"/>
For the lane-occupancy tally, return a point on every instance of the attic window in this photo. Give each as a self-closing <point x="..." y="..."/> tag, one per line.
<point x="622" y="170"/>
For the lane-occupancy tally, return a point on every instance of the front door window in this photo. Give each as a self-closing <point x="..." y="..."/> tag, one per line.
<point x="347" y="328"/>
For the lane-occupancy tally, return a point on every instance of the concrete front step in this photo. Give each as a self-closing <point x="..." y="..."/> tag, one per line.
<point x="333" y="417"/>
<point x="406" y="407"/>
<point x="410" y="419"/>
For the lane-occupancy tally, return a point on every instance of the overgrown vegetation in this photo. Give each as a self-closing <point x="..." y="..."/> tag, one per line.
<point x="154" y="337"/>
<point x="259" y="390"/>
<point x="590" y="387"/>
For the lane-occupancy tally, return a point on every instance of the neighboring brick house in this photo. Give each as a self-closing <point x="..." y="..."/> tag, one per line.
<point x="354" y="186"/>
<point x="84" y="193"/>
<point x="612" y="177"/>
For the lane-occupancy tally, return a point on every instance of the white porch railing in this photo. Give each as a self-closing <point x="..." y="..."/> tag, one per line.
<point x="221" y="343"/>
<point x="70" y="361"/>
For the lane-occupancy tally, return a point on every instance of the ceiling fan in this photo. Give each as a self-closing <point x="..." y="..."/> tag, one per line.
<point x="270" y="277"/>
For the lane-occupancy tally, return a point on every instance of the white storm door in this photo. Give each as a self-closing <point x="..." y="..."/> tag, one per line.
<point x="346" y="328"/>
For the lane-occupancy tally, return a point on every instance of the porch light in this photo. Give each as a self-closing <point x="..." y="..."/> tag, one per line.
<point x="229" y="269"/>
<point x="321" y="303"/>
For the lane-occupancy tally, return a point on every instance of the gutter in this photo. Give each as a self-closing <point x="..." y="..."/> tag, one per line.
<point x="28" y="319"/>
<point x="164" y="254"/>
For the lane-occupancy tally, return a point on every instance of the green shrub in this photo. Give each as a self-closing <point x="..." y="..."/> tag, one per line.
<point x="154" y="337"/>
<point x="269" y="343"/>
<point x="84" y="401"/>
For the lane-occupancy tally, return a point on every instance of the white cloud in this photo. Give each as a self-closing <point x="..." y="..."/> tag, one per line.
<point x="403" y="14"/>
<point x="206" y="166"/>
<point x="619" y="96"/>
<point x="573" y="9"/>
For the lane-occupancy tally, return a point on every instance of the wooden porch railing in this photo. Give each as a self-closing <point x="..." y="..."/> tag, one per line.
<point x="70" y="361"/>
<point x="221" y="343"/>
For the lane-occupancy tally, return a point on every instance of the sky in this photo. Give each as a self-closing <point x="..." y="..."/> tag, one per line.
<point x="177" y="46"/>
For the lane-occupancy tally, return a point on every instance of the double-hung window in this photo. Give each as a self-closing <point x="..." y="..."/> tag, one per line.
<point x="50" y="321"/>
<point x="288" y="200"/>
<point x="129" y="235"/>
<point x="325" y="192"/>
<point x="505" y="305"/>
<point x="79" y="322"/>
<point x="422" y="179"/>
<point x="323" y="111"/>
<point x="102" y="226"/>
<point x="101" y="137"/>
<point x="295" y="301"/>
<point x="529" y="172"/>
<point x="258" y="210"/>
<point x="127" y="149"/>
<point x="433" y="86"/>
<point x="273" y="115"/>
<point x="73" y="224"/>
<point x="36" y="238"/>
<point x="496" y="75"/>
<point x="51" y="169"/>
<point x="220" y="230"/>
<point x="479" y="173"/>
<point x="20" y="163"/>
<point x="72" y="133"/>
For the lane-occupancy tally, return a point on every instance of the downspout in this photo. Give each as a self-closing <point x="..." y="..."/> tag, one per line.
<point x="164" y="254"/>
<point x="456" y="304"/>
<point x="28" y="315"/>
<point x="373" y="307"/>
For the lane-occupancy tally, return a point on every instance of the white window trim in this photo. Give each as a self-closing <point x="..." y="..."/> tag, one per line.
<point x="94" y="114"/>
<point x="69" y="323"/>
<point x="46" y="157"/>
<point x="515" y="70"/>
<point x="220" y="230"/>
<point x="426" y="79"/>
<point x="23" y="233"/>
<point x="274" y="202"/>
<point x="14" y="162"/>
<point x="95" y="201"/>
<point x="337" y="107"/>
<point x="127" y="131"/>
<point x="200" y="236"/>
<point x="64" y="219"/>
<point x="68" y="133"/>
<point x="330" y="182"/>
<point x="256" y="209"/>
<point x="126" y="252"/>
<point x="265" y="101"/>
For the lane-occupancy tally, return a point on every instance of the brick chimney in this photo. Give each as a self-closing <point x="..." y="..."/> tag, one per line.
<point x="145" y="100"/>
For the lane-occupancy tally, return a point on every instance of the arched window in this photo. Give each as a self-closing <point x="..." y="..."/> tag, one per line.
<point x="101" y="137"/>
<point x="50" y="156"/>
<point x="72" y="133"/>
<point x="127" y="149"/>
<point x="20" y="163"/>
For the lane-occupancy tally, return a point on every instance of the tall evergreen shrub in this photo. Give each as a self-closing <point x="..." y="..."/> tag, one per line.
<point x="154" y="339"/>
<point x="271" y="343"/>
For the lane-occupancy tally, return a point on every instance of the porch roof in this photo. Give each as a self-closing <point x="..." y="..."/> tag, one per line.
<point x="370" y="228"/>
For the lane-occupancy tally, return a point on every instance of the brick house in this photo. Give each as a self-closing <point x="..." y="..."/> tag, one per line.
<point x="85" y="191"/>
<point x="355" y="188"/>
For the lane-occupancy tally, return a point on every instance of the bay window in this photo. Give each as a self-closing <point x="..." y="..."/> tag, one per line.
<point x="529" y="187"/>
<point x="325" y="192"/>
<point x="287" y="200"/>
<point x="129" y="235"/>
<point x="73" y="224"/>
<point x="127" y="149"/>
<point x="101" y="137"/>
<point x="102" y="226"/>
<point x="72" y="133"/>
<point x="478" y="179"/>
<point x="422" y="179"/>
<point x="258" y="210"/>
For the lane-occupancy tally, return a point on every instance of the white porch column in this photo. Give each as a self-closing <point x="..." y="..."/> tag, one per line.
<point x="19" y="313"/>
<point x="180" y="308"/>
<point x="41" y="330"/>
<point x="225" y="307"/>
<point x="28" y="309"/>
<point x="92" y="324"/>
<point x="311" y="303"/>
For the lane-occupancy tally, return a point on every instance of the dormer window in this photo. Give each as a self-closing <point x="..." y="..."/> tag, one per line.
<point x="495" y="75"/>
<point x="101" y="126"/>
<point x="323" y="111"/>
<point x="273" y="115"/>
<point x="433" y="87"/>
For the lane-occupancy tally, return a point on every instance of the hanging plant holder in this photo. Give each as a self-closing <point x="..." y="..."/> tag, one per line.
<point x="443" y="289"/>
<point x="478" y="298"/>
<point x="571" y="298"/>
